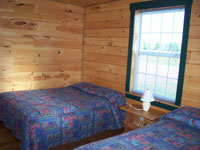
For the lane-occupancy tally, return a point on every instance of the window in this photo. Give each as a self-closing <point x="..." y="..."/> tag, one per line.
<point x="158" y="53"/>
<point x="157" y="49"/>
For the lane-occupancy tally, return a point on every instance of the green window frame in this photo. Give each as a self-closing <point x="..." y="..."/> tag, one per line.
<point x="159" y="4"/>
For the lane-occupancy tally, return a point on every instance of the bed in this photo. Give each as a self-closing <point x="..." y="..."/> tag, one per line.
<point x="45" y="118"/>
<point x="179" y="129"/>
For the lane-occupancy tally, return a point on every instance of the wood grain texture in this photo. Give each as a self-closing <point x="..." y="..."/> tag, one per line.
<point x="106" y="48"/>
<point x="84" y="3"/>
<point x="152" y="114"/>
<point x="133" y="117"/>
<point x="41" y="44"/>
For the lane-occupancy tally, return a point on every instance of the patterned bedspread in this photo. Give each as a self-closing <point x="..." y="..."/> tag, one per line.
<point x="45" y="118"/>
<point x="179" y="129"/>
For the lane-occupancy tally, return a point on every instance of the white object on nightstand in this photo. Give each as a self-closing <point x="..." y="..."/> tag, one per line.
<point x="147" y="98"/>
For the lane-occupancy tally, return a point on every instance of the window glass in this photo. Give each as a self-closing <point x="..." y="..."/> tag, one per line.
<point x="158" y="54"/>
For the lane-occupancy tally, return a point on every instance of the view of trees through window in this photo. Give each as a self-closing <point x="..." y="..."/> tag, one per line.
<point x="171" y="47"/>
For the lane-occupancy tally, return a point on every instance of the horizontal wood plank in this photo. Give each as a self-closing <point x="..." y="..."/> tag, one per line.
<point x="120" y="14"/>
<point x="107" y="76"/>
<point x="121" y="70"/>
<point x="107" y="32"/>
<point x="106" y="41"/>
<point x="40" y="44"/>
<point x="115" y="60"/>
<point x="107" y="24"/>
<point x="117" y="32"/>
<point x="108" y="50"/>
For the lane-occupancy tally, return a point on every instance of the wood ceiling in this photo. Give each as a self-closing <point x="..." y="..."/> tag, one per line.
<point x="85" y="3"/>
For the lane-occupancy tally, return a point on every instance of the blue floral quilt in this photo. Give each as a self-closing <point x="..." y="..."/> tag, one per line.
<point x="45" y="118"/>
<point x="177" y="130"/>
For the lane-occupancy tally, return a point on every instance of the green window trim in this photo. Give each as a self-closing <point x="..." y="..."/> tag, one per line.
<point x="159" y="4"/>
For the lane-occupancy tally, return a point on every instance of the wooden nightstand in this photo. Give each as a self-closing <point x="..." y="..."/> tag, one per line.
<point x="139" y="118"/>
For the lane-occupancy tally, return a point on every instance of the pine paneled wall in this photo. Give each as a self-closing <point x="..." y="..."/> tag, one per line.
<point x="106" y="48"/>
<point x="41" y="44"/>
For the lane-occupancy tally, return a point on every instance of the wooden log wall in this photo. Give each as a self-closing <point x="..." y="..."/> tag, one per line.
<point x="41" y="44"/>
<point x="106" y="48"/>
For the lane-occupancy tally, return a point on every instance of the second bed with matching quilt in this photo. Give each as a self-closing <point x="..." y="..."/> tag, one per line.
<point x="45" y="118"/>
<point x="179" y="129"/>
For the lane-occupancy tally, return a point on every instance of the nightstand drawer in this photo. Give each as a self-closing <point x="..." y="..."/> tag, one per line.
<point x="133" y="122"/>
